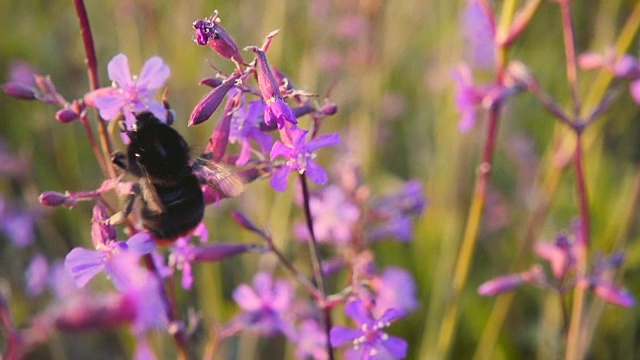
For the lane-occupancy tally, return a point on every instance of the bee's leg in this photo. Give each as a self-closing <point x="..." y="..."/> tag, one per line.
<point x="120" y="216"/>
<point x="118" y="159"/>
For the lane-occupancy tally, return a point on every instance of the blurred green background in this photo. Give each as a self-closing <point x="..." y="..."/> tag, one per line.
<point x="388" y="65"/>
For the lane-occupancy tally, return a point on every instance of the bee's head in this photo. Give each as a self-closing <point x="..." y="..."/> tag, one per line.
<point x="156" y="149"/>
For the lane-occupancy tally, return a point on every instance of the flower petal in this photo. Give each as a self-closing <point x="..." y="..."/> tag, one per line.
<point x="316" y="173"/>
<point x="322" y="141"/>
<point x="154" y="73"/>
<point x="83" y="264"/>
<point x="396" y="346"/>
<point x="142" y="243"/>
<point x="247" y="298"/>
<point x="279" y="179"/>
<point x="110" y="106"/>
<point x="118" y="69"/>
<point x="340" y="335"/>
<point x="355" y="309"/>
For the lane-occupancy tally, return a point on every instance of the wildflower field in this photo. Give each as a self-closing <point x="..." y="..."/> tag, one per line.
<point x="319" y="179"/>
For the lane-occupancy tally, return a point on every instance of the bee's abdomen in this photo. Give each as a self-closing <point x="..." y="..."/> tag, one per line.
<point x="183" y="209"/>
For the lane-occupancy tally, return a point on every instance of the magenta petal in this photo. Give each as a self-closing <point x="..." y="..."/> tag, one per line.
<point x="396" y="346"/>
<point x="154" y="73"/>
<point x="83" y="264"/>
<point x="635" y="91"/>
<point x="340" y="335"/>
<point x="118" y="69"/>
<point x="246" y="298"/>
<point x="501" y="285"/>
<point x="280" y="149"/>
<point x="615" y="295"/>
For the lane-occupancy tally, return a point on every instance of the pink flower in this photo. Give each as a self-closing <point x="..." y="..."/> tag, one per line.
<point x="129" y="94"/>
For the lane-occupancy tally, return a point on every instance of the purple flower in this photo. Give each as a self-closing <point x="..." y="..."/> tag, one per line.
<point x="395" y="289"/>
<point x="19" y="227"/>
<point x="561" y="255"/>
<point x="467" y="98"/>
<point x="245" y="125"/>
<point x="22" y="84"/>
<point x="479" y="32"/>
<point x="141" y="289"/>
<point x="37" y="275"/>
<point x="265" y="306"/>
<point x="311" y="341"/>
<point x="131" y="95"/>
<point x="83" y="264"/>
<point x="334" y="216"/>
<point x="368" y="341"/>
<point x="299" y="156"/>
<point x="210" y="102"/>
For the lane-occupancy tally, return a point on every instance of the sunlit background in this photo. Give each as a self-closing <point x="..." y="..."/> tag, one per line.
<point x="387" y="65"/>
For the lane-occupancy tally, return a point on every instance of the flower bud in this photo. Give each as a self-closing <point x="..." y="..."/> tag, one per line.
<point x="53" y="198"/>
<point x="501" y="285"/>
<point x="211" y="82"/>
<point x="66" y="116"/>
<point x="243" y="221"/>
<point x="329" y="108"/>
<point x="210" y="102"/>
<point x="19" y="91"/>
<point x="208" y="31"/>
<point x="221" y="251"/>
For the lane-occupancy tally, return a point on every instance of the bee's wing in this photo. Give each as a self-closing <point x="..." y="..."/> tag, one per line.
<point x="150" y="195"/>
<point x="219" y="177"/>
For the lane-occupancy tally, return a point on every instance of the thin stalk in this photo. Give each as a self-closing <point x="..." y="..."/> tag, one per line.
<point x="574" y="345"/>
<point x="570" y="53"/>
<point x="94" y="80"/>
<point x="449" y="321"/>
<point x="315" y="261"/>
<point x="94" y="145"/>
<point x="296" y="274"/>
<point x="178" y="335"/>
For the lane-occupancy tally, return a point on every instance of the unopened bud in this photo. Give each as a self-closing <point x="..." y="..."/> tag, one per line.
<point x="329" y="108"/>
<point x="221" y="251"/>
<point x="19" y="91"/>
<point x="210" y="102"/>
<point x="211" y="82"/>
<point x="66" y="116"/>
<point x="208" y="31"/>
<point x="53" y="198"/>
<point x="501" y="285"/>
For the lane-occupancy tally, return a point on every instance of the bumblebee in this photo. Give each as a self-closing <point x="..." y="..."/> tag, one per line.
<point x="169" y="190"/>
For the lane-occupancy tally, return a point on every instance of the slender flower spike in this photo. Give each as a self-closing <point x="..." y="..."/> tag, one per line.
<point x="299" y="156"/>
<point x="129" y="94"/>
<point x="276" y="111"/>
<point x="369" y="341"/>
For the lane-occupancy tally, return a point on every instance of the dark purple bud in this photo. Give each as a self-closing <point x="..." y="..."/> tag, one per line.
<point x="222" y="251"/>
<point x="303" y="110"/>
<point x="329" y="108"/>
<point x="208" y="31"/>
<point x="501" y="285"/>
<point x="211" y="82"/>
<point x="266" y="80"/>
<point x="66" y="116"/>
<point x="220" y="138"/>
<point x="19" y="90"/>
<point x="52" y="198"/>
<point x="210" y="102"/>
<point x="242" y="220"/>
